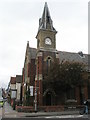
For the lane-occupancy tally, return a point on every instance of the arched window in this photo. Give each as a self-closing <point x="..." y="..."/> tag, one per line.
<point x="49" y="62"/>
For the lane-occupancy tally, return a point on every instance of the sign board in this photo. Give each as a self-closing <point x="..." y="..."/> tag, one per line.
<point x="13" y="94"/>
<point x="31" y="90"/>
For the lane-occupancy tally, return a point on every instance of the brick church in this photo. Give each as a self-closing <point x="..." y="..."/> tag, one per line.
<point x="39" y="60"/>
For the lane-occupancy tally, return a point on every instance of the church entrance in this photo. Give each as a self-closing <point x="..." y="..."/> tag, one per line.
<point x="48" y="98"/>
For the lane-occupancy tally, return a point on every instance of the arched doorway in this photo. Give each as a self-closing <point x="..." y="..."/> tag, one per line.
<point x="48" y="98"/>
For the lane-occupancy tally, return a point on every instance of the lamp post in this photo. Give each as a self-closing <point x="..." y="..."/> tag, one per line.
<point x="35" y="100"/>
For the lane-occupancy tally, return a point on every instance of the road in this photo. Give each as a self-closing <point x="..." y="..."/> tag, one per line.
<point x="7" y="113"/>
<point x="45" y="119"/>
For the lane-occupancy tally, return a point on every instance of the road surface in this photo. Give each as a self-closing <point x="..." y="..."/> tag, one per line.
<point x="45" y="119"/>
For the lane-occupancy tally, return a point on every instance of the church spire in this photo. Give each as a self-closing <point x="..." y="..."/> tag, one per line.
<point x="46" y="22"/>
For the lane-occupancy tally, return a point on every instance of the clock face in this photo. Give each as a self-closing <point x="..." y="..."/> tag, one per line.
<point x="48" y="41"/>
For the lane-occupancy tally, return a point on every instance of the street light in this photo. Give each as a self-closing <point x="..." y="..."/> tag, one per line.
<point x="35" y="100"/>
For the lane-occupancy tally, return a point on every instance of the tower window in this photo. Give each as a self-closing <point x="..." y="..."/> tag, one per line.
<point x="49" y="61"/>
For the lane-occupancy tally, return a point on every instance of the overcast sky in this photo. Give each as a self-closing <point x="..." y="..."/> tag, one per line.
<point x="19" y="21"/>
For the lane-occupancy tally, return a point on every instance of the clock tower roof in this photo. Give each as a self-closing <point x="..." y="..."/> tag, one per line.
<point x="45" y="22"/>
<point x="46" y="35"/>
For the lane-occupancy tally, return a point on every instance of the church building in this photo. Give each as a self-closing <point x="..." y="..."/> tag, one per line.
<point x="38" y="61"/>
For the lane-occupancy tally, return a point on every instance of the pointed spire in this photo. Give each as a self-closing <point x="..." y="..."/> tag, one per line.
<point x="46" y="22"/>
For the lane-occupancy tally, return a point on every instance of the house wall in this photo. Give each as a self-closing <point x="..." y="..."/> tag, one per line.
<point x="13" y="86"/>
<point x="18" y="88"/>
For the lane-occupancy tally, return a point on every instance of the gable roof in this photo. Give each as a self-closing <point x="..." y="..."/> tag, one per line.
<point x="32" y="52"/>
<point x="67" y="56"/>
<point x="75" y="57"/>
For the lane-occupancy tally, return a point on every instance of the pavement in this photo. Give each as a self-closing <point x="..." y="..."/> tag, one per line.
<point x="49" y="113"/>
<point x="39" y="114"/>
<point x="8" y="112"/>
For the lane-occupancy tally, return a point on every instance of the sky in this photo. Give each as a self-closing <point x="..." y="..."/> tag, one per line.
<point x="19" y="22"/>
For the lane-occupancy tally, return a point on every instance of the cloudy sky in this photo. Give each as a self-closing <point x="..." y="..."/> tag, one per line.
<point x="19" y="21"/>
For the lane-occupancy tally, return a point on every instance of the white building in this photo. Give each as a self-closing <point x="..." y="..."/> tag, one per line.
<point x="18" y="87"/>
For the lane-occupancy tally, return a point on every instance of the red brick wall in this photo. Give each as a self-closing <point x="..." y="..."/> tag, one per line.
<point x="25" y="108"/>
<point x="40" y="64"/>
<point x="77" y="93"/>
<point x="23" y="83"/>
<point x="32" y="71"/>
<point x="51" y="108"/>
<point x="86" y="92"/>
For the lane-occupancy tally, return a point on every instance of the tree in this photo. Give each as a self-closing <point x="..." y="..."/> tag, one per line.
<point x="64" y="76"/>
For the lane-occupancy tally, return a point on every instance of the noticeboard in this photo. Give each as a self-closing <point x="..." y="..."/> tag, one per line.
<point x="13" y="94"/>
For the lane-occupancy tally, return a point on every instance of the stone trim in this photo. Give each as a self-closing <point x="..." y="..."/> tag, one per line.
<point x="49" y="90"/>
<point x="47" y="49"/>
<point x="57" y="55"/>
<point x="47" y="58"/>
<point x="28" y="79"/>
<point x="39" y="77"/>
<point x="71" y="100"/>
<point x="39" y="54"/>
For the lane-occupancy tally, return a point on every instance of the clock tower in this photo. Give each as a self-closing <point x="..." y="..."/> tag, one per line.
<point x="46" y="53"/>
<point x="46" y="36"/>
